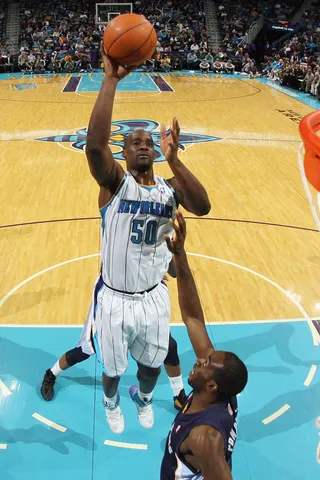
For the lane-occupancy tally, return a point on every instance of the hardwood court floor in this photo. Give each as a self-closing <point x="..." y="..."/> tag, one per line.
<point x="260" y="239"/>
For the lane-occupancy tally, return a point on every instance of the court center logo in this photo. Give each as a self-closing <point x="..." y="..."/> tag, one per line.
<point x="77" y="139"/>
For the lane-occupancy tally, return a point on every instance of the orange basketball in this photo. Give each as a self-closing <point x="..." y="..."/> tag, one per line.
<point x="130" y="39"/>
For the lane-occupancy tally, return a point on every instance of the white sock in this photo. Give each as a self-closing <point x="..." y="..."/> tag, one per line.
<point x="111" y="402"/>
<point x="56" y="370"/>
<point x="176" y="385"/>
<point x="145" y="397"/>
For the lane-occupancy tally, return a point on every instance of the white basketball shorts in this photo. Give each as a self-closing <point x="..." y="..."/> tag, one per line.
<point x="118" y="323"/>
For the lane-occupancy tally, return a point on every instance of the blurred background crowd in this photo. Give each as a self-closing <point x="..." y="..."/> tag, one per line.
<point x="279" y="40"/>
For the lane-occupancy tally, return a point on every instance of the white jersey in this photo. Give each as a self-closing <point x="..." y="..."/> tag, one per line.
<point x="134" y="253"/>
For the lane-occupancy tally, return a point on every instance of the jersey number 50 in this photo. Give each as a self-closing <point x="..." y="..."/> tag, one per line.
<point x="149" y="231"/>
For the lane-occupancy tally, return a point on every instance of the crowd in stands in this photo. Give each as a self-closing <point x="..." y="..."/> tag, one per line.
<point x="57" y="36"/>
<point x="297" y="64"/>
<point x="63" y="37"/>
<point x="4" y="54"/>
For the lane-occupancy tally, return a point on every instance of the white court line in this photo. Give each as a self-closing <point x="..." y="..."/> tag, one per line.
<point x="5" y="298"/>
<point x="310" y="376"/>
<point x="123" y="97"/>
<point x="48" y="422"/>
<point x="314" y="332"/>
<point x="276" y="414"/>
<point x="307" y="188"/>
<point x="172" y="324"/>
<point x="3" y="446"/>
<point x="133" y="446"/>
<point x="78" y="85"/>
<point x="4" y="389"/>
<point x="318" y="453"/>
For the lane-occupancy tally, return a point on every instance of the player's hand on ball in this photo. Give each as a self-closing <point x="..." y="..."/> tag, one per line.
<point x="176" y="244"/>
<point x="111" y="68"/>
<point x="169" y="144"/>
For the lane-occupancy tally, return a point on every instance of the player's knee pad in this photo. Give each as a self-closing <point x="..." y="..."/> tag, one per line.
<point x="172" y="359"/>
<point x="148" y="371"/>
<point x="75" y="356"/>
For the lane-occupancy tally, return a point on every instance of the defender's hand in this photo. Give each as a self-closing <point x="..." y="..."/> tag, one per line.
<point x="176" y="245"/>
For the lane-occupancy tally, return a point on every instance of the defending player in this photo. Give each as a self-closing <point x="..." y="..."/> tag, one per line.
<point x="202" y="437"/>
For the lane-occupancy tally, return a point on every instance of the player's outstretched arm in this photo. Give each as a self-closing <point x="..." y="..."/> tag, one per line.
<point x="191" y="194"/>
<point x="107" y="172"/>
<point x="190" y="306"/>
<point x="207" y="446"/>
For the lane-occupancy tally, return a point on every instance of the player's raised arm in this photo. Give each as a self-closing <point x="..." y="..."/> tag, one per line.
<point x="191" y="194"/>
<point x="107" y="172"/>
<point x="189" y="301"/>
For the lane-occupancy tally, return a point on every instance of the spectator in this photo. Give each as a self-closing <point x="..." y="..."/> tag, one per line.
<point x="204" y="66"/>
<point x="218" y="66"/>
<point x="229" y="66"/>
<point x="209" y="58"/>
<point x="307" y="80"/>
<point x="192" y="60"/>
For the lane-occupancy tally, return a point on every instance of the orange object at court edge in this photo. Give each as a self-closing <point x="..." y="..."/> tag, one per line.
<point x="309" y="126"/>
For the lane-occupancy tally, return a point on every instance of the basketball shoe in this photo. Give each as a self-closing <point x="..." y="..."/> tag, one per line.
<point x="145" y="410"/>
<point x="114" y="416"/>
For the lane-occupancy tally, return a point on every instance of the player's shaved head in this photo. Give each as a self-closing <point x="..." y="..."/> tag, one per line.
<point x="136" y="133"/>
<point x="138" y="150"/>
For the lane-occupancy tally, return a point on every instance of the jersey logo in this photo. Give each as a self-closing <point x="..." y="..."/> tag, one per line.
<point x="178" y="428"/>
<point x="230" y="409"/>
<point x="76" y="140"/>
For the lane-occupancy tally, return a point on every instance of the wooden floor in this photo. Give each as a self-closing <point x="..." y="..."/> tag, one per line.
<point x="260" y="235"/>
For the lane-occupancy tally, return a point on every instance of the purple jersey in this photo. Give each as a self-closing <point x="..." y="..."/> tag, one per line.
<point x="222" y="416"/>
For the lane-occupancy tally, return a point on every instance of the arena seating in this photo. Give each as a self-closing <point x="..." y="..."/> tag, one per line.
<point x="3" y="12"/>
<point x="69" y="30"/>
<point x="62" y="36"/>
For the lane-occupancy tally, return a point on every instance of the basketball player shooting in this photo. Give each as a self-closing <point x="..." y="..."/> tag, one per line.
<point x="202" y="437"/>
<point x="130" y="309"/>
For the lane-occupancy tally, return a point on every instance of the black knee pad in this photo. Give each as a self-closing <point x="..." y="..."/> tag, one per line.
<point x="172" y="359"/>
<point x="148" y="371"/>
<point x="76" y="355"/>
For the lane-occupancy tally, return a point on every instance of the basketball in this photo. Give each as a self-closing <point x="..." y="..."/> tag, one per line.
<point x="130" y="39"/>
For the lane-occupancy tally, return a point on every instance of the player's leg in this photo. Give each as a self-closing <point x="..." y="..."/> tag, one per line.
<point x="142" y="394"/>
<point x="112" y="325"/>
<point x="173" y="369"/>
<point x="72" y="357"/>
<point x="150" y="348"/>
<point x="68" y="359"/>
